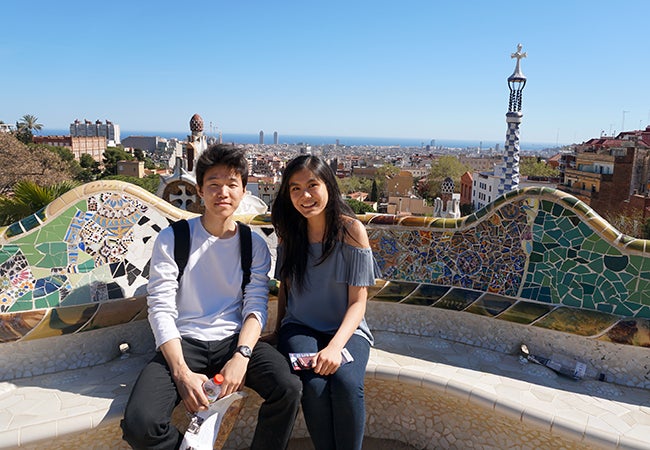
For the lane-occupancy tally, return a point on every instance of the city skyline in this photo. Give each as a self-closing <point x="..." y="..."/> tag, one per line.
<point x="415" y="70"/>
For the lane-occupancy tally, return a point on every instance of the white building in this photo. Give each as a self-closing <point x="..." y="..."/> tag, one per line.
<point x="109" y="130"/>
<point x="485" y="188"/>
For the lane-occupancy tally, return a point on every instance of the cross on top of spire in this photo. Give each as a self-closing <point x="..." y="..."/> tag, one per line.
<point x="519" y="55"/>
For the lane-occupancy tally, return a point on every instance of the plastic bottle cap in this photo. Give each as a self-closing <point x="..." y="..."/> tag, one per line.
<point x="218" y="378"/>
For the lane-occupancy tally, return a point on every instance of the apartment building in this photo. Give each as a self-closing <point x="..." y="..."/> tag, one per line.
<point x="94" y="146"/>
<point x="606" y="172"/>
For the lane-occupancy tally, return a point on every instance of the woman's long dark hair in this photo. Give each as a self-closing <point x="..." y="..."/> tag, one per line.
<point x="291" y="226"/>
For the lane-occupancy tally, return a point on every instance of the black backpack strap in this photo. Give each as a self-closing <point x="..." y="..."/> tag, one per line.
<point x="246" y="249"/>
<point x="181" y="245"/>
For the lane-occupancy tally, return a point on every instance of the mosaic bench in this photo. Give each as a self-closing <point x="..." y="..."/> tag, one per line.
<point x="459" y="297"/>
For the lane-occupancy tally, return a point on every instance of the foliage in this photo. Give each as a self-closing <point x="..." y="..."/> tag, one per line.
<point x="441" y="168"/>
<point x="533" y="166"/>
<point x="33" y="163"/>
<point x="629" y="223"/>
<point x="354" y="184"/>
<point x="89" y="169"/>
<point x="359" y="207"/>
<point x="64" y="153"/>
<point x="111" y="157"/>
<point x="374" y="192"/>
<point x="387" y="171"/>
<point x="28" y="198"/>
<point x="383" y="173"/>
<point x="25" y="128"/>
<point x="149" y="183"/>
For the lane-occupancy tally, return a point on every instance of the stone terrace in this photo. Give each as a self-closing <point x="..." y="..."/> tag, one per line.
<point x="458" y="298"/>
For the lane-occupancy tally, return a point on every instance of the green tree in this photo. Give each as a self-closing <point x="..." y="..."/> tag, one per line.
<point x="383" y="173"/>
<point x="111" y="157"/>
<point x="138" y="154"/>
<point x="441" y="168"/>
<point x="87" y="162"/>
<point x="28" y="198"/>
<point x="26" y="126"/>
<point x="374" y="191"/>
<point x="531" y="166"/>
<point x="348" y="185"/>
<point x="89" y="168"/>
<point x="359" y="207"/>
<point x="150" y="182"/>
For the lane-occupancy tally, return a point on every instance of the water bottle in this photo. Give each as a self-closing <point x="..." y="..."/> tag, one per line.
<point x="212" y="387"/>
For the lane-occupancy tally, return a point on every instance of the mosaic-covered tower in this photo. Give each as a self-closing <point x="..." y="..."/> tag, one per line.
<point x="510" y="171"/>
<point x="196" y="142"/>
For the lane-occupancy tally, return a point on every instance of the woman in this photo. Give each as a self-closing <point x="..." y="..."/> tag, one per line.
<point x="325" y="264"/>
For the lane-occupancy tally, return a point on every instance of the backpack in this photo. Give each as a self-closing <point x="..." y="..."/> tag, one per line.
<point x="181" y="230"/>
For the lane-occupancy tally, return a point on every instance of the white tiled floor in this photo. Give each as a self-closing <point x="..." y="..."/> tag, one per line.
<point x="475" y="381"/>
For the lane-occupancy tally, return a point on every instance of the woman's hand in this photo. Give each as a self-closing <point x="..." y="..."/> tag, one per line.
<point x="327" y="361"/>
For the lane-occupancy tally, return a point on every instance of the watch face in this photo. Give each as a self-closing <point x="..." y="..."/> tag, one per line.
<point x="245" y="350"/>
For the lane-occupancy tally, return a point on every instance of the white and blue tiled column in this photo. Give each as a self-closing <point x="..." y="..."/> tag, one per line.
<point x="510" y="173"/>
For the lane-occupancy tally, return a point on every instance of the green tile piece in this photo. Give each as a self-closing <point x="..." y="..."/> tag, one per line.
<point x="586" y="231"/>
<point x="602" y="247"/>
<point x="395" y="291"/>
<point x="53" y="299"/>
<point x="582" y="322"/>
<point x="30" y="222"/>
<point x="426" y="295"/>
<point x="567" y="265"/>
<point x="55" y="254"/>
<point x="525" y="312"/>
<point x="86" y="266"/>
<point x="636" y="263"/>
<point x="41" y="303"/>
<point x="82" y="205"/>
<point x="457" y="299"/>
<point x="490" y="305"/>
<point x="597" y="265"/>
<point x="57" y="228"/>
<point x="7" y="252"/>
<point x="546" y="206"/>
<point x="623" y="310"/>
<point x="632" y="284"/>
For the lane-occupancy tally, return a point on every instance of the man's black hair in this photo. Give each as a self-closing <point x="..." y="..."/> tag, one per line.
<point x="227" y="155"/>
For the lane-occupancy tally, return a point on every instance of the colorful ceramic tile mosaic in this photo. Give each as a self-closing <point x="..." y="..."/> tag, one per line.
<point x="536" y="257"/>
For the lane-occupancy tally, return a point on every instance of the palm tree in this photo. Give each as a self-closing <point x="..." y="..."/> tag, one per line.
<point x="29" y="123"/>
<point x="28" y="198"/>
<point x="26" y="126"/>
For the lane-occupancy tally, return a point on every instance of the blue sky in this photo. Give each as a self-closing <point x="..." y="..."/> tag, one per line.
<point x="417" y="69"/>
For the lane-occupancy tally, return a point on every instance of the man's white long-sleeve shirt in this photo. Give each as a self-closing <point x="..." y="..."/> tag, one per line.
<point x="207" y="304"/>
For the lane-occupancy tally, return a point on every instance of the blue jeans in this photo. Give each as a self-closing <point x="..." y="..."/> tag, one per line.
<point x="146" y="423"/>
<point x="333" y="405"/>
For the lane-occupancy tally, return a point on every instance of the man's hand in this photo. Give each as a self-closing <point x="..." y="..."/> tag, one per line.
<point x="234" y="374"/>
<point x="190" y="388"/>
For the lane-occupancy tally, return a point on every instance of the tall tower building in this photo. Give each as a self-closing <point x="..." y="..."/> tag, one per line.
<point x="196" y="142"/>
<point x="262" y="137"/>
<point x="510" y="169"/>
<point x="275" y="137"/>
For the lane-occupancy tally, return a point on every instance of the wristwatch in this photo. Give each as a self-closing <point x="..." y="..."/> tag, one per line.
<point x="244" y="350"/>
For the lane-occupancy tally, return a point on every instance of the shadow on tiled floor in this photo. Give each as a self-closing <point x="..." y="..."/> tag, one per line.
<point x="368" y="444"/>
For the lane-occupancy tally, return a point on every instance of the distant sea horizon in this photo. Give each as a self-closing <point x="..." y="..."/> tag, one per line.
<point x="245" y="138"/>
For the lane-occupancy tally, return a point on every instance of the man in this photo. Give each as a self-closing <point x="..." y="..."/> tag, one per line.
<point x="204" y="324"/>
